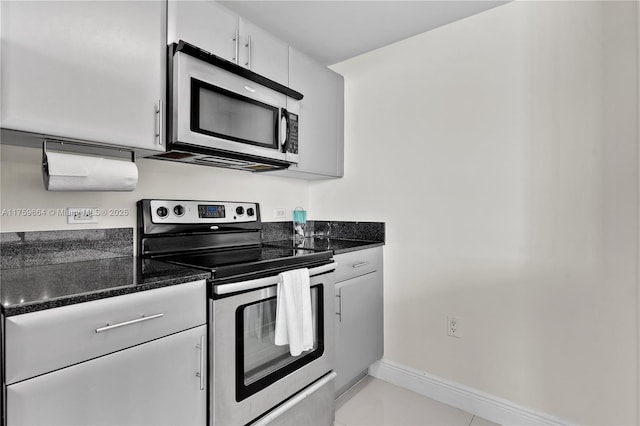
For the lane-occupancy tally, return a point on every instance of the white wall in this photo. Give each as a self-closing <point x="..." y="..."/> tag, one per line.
<point x="502" y="151"/>
<point x="22" y="188"/>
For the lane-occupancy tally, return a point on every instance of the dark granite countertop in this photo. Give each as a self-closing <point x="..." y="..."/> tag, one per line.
<point x="47" y="269"/>
<point x="336" y="245"/>
<point x="30" y="289"/>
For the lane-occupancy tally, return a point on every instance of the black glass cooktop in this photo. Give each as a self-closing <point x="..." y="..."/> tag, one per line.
<point x="249" y="260"/>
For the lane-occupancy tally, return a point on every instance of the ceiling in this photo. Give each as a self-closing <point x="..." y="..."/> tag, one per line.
<point x="334" y="30"/>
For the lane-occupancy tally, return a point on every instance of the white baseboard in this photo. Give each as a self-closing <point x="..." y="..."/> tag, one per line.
<point x="473" y="401"/>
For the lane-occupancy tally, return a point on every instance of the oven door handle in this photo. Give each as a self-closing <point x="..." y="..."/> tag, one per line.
<point x="266" y="282"/>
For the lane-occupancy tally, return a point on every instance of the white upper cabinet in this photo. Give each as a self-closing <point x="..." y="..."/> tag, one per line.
<point x="321" y="123"/>
<point x="205" y="24"/>
<point x="214" y="28"/>
<point x="93" y="71"/>
<point x="262" y="53"/>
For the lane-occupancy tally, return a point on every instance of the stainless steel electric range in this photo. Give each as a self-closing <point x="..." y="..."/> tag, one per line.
<point x="251" y="380"/>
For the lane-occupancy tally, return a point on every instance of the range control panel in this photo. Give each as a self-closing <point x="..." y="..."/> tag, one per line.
<point x="194" y="212"/>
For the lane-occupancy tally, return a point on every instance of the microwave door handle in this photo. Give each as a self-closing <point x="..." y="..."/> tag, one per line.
<point x="284" y="140"/>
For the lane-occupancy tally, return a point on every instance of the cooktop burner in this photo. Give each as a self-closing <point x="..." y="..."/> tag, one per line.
<point x="248" y="260"/>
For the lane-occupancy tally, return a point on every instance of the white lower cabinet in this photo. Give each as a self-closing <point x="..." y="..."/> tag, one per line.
<point x="359" y="315"/>
<point x="151" y="384"/>
<point x="135" y="359"/>
<point x="357" y="333"/>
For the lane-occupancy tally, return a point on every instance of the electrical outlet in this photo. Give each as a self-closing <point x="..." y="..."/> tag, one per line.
<point x="77" y="216"/>
<point x="279" y="213"/>
<point x="453" y="327"/>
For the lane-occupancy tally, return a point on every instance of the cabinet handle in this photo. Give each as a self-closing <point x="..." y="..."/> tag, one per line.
<point x="339" y="313"/>
<point x="236" y="39"/>
<point x="159" y="114"/>
<point x="122" y="324"/>
<point x="361" y="264"/>
<point x="248" y="45"/>
<point x="200" y="373"/>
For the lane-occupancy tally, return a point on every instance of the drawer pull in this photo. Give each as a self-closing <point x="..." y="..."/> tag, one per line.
<point x="122" y="324"/>
<point x="361" y="264"/>
<point x="200" y="373"/>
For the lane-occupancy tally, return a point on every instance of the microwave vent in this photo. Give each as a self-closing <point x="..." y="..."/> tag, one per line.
<point x="250" y="164"/>
<point x="233" y="163"/>
<point x="223" y="161"/>
<point x="174" y="155"/>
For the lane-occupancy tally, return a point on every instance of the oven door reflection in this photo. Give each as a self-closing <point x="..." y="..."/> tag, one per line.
<point x="259" y="361"/>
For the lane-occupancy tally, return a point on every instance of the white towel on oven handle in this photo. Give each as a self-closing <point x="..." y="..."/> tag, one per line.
<point x="293" y="312"/>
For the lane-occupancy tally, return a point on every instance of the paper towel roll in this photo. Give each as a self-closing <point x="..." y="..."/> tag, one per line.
<point x="72" y="172"/>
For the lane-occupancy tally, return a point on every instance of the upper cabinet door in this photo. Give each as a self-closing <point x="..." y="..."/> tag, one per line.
<point x="205" y="24"/>
<point x="212" y="27"/>
<point x="93" y="71"/>
<point x="263" y="53"/>
<point x="321" y="123"/>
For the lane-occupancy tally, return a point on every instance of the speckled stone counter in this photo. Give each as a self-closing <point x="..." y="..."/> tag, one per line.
<point x="24" y="249"/>
<point x="35" y="288"/>
<point x="339" y="230"/>
<point x="48" y="269"/>
<point x="339" y="237"/>
<point x="335" y="230"/>
<point x="337" y="246"/>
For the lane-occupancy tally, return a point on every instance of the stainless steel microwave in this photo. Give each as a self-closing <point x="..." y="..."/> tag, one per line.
<point x="220" y="114"/>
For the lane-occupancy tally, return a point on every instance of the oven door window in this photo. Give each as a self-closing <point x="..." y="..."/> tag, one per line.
<point x="228" y="115"/>
<point x="259" y="362"/>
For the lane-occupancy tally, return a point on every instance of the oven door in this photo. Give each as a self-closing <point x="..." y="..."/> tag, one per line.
<point x="250" y="374"/>
<point x="213" y="108"/>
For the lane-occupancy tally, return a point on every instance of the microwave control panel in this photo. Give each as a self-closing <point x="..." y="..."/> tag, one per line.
<point x="292" y="143"/>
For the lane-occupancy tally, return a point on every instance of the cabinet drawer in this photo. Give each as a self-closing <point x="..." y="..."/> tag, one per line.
<point x="152" y="384"/>
<point x="358" y="263"/>
<point x="44" y="341"/>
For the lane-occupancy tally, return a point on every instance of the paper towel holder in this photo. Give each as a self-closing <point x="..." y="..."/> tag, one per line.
<point x="77" y="166"/>
<point x="86" y="149"/>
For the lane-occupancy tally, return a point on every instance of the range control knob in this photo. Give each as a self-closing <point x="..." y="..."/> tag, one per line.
<point x="239" y="210"/>
<point x="162" y="212"/>
<point x="250" y="211"/>
<point x="178" y="210"/>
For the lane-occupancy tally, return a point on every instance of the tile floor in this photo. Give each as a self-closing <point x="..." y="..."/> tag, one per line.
<point x="378" y="403"/>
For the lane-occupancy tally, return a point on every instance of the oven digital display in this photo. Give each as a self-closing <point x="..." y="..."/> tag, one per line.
<point x="211" y="211"/>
